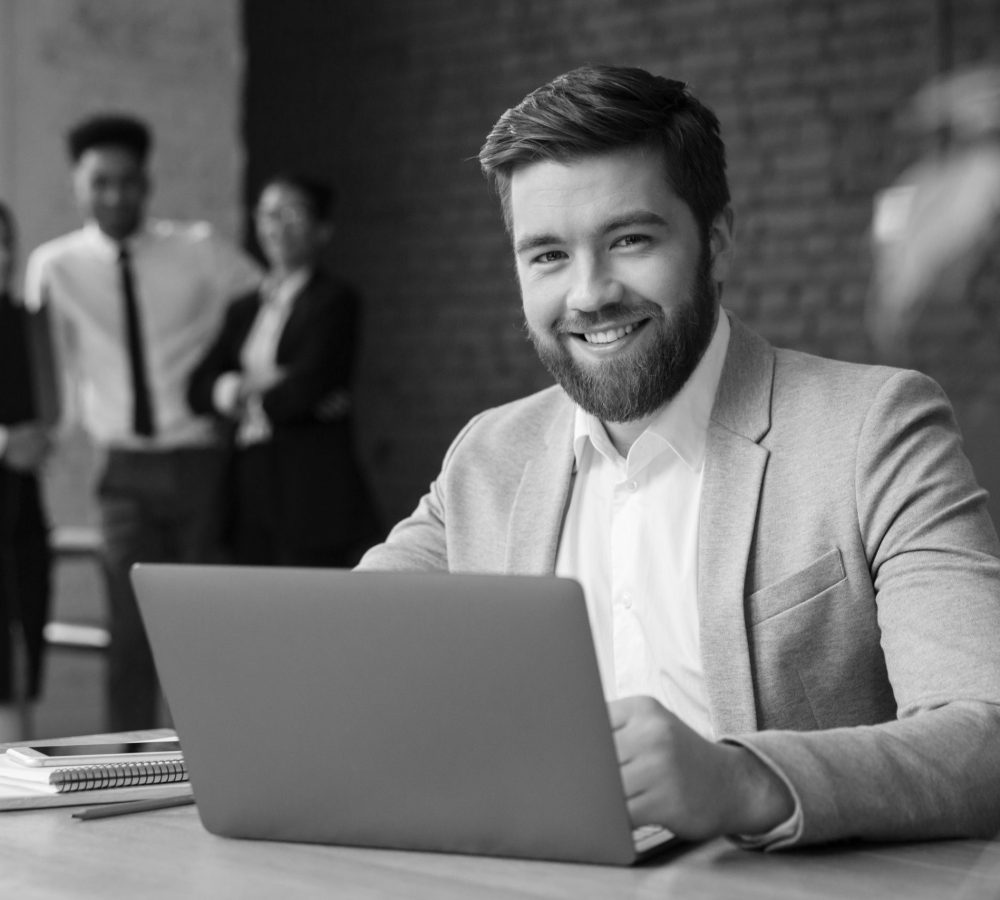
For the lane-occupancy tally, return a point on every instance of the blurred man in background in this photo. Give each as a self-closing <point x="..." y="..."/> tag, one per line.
<point x="134" y="303"/>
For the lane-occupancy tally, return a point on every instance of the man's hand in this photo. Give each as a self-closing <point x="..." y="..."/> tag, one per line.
<point x="27" y="446"/>
<point x="697" y="788"/>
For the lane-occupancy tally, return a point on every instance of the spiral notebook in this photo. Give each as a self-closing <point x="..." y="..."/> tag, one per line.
<point x="16" y="795"/>
<point x="70" y="779"/>
<point x="456" y="713"/>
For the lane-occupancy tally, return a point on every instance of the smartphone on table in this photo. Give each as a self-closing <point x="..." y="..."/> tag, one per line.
<point x="41" y="754"/>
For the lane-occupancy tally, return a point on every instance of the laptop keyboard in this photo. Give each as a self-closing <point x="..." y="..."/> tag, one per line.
<point x="648" y="836"/>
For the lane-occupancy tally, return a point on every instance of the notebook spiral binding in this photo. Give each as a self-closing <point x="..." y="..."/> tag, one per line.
<point x="112" y="775"/>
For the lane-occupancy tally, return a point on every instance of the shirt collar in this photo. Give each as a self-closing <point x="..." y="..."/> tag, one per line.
<point x="111" y="247"/>
<point x="280" y="291"/>
<point x="681" y="424"/>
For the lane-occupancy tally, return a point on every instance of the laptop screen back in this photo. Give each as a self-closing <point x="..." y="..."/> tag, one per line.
<point x="458" y="713"/>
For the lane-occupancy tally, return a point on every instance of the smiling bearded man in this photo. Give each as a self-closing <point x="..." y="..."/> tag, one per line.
<point x="790" y="575"/>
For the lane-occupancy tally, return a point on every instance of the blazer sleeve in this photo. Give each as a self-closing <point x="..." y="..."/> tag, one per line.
<point x="223" y="355"/>
<point x="420" y="541"/>
<point x="934" y="771"/>
<point x="316" y="351"/>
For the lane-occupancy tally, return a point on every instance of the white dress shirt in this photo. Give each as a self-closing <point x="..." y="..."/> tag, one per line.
<point x="184" y="276"/>
<point x="631" y="540"/>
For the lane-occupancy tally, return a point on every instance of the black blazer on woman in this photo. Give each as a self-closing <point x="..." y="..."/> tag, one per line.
<point x="318" y="495"/>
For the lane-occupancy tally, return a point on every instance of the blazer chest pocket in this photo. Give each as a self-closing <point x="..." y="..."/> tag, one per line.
<point x="805" y="584"/>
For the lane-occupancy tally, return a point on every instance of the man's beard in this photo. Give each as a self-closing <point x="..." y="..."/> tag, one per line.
<point x="636" y="384"/>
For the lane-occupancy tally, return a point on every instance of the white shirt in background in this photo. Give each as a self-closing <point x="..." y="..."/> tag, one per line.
<point x="184" y="275"/>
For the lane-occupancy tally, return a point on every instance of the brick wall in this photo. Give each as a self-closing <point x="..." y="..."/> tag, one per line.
<point x="399" y="96"/>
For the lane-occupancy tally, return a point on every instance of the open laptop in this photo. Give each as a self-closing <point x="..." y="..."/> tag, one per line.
<point x="454" y="713"/>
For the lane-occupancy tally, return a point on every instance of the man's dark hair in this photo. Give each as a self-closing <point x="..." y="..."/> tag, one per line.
<point x="320" y="195"/>
<point x="110" y="130"/>
<point x="600" y="109"/>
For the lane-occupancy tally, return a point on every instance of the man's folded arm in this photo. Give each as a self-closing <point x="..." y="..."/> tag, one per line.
<point x="933" y="775"/>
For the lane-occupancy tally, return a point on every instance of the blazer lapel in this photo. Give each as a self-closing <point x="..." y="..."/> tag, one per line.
<point x="734" y="472"/>
<point x="245" y="314"/>
<point x="298" y="317"/>
<point x="539" y="505"/>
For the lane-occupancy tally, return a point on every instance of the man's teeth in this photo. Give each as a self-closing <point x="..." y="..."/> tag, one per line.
<point x="606" y="337"/>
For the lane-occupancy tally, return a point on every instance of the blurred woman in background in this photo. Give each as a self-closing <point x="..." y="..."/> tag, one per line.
<point x="280" y="371"/>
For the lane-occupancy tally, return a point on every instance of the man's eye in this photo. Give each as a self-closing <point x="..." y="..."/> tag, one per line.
<point x="631" y="240"/>
<point x="550" y="256"/>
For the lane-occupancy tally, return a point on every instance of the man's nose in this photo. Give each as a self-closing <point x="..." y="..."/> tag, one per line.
<point x="593" y="286"/>
<point x="112" y="195"/>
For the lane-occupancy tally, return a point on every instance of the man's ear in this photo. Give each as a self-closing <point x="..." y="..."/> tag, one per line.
<point x="720" y="244"/>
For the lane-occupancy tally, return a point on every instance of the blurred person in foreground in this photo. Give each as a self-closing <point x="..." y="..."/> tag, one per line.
<point x="792" y="581"/>
<point x="939" y="222"/>
<point x="134" y="302"/>
<point x="280" y="371"/>
<point x="25" y="559"/>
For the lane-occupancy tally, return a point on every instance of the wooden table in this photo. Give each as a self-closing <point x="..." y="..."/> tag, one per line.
<point x="45" y="853"/>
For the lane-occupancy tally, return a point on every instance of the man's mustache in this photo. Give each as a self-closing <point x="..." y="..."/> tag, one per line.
<point x="611" y="316"/>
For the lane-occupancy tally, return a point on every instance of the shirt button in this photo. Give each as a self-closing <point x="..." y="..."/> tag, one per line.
<point x="627" y="600"/>
<point x="632" y="485"/>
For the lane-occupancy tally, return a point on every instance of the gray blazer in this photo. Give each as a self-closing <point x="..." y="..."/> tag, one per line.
<point x="848" y="579"/>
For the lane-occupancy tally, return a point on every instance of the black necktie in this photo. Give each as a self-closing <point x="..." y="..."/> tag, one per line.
<point x="142" y="408"/>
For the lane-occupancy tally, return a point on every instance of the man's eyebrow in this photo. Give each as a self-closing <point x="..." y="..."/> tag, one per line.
<point x="632" y="219"/>
<point x="533" y="242"/>
<point x="639" y="218"/>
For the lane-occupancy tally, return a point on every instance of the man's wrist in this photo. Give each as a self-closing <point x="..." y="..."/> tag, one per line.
<point x="760" y="798"/>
